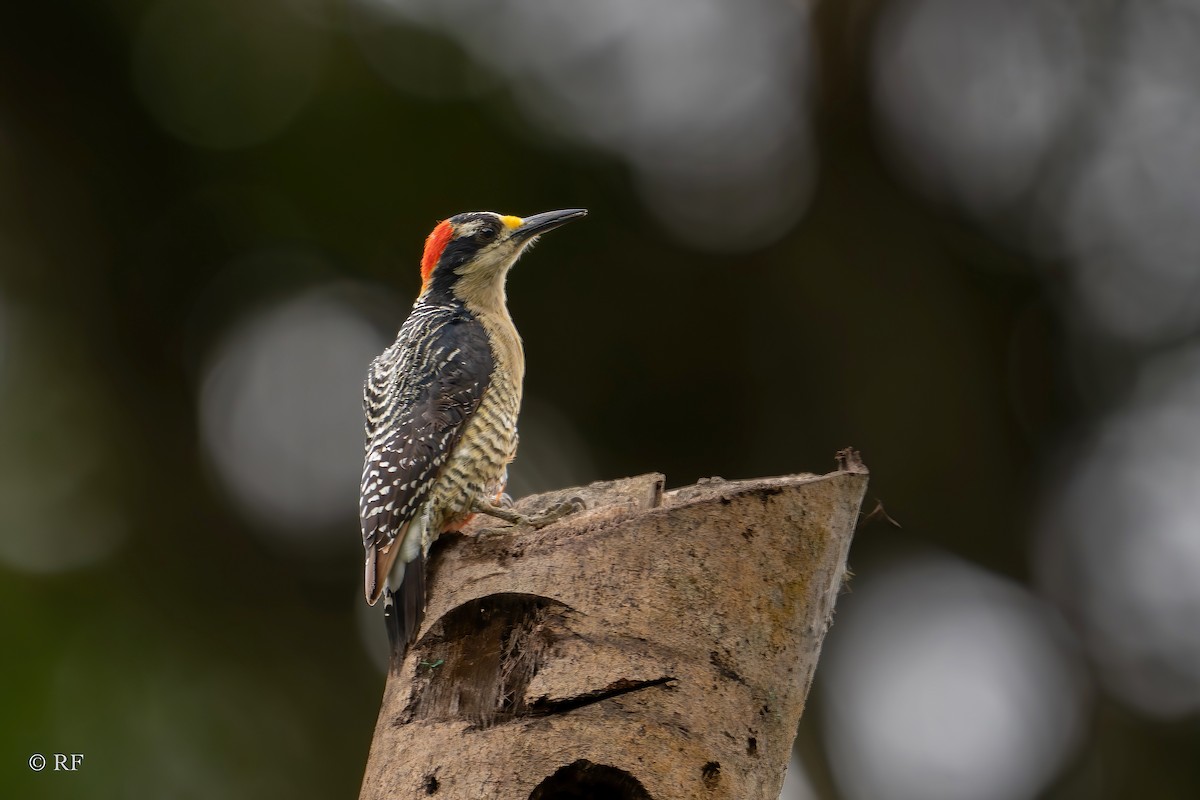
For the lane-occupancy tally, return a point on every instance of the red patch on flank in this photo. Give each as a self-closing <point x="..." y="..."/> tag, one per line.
<point x="435" y="243"/>
<point x="458" y="524"/>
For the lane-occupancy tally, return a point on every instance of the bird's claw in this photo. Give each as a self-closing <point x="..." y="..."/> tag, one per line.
<point x="539" y="520"/>
<point x="557" y="512"/>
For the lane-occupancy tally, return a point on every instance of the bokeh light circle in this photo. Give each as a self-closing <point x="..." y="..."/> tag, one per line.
<point x="944" y="682"/>
<point x="281" y="412"/>
<point x="1119" y="546"/>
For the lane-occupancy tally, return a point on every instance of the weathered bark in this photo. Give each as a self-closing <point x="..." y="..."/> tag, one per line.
<point x="654" y="646"/>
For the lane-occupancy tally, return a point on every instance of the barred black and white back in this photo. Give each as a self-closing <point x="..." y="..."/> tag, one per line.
<point x="419" y="396"/>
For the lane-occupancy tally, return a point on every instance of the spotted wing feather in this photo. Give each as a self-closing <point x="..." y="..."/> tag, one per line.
<point x="418" y="398"/>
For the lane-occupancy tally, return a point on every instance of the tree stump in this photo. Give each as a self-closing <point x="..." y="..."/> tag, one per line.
<point x="657" y="645"/>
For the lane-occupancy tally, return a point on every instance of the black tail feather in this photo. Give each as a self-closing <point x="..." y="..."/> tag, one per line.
<point x="404" y="609"/>
<point x="396" y="643"/>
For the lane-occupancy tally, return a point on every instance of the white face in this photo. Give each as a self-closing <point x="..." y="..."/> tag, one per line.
<point x="487" y="238"/>
<point x="482" y="248"/>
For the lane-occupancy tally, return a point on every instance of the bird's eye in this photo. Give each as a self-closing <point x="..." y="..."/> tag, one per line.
<point x="486" y="234"/>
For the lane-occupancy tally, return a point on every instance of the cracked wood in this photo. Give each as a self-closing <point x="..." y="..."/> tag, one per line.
<point x="658" y="645"/>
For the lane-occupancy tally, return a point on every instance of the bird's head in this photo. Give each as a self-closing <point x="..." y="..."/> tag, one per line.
<point x="468" y="255"/>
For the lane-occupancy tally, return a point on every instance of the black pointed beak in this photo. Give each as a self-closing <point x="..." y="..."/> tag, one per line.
<point x="548" y="221"/>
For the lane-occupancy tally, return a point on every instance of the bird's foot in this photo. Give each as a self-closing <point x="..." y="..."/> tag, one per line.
<point x="500" y="512"/>
<point x="539" y="520"/>
<point x="557" y="512"/>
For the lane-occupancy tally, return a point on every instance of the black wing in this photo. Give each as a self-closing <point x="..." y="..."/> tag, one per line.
<point x="419" y="395"/>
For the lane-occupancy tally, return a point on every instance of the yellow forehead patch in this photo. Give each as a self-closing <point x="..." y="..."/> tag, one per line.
<point x="512" y="223"/>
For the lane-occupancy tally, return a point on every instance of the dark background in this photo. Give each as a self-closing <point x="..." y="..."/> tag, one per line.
<point x="960" y="236"/>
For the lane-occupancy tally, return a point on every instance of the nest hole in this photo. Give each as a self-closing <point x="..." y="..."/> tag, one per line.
<point x="584" y="780"/>
<point x="479" y="657"/>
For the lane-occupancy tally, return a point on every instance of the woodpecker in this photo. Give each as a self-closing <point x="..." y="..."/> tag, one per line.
<point x="441" y="408"/>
